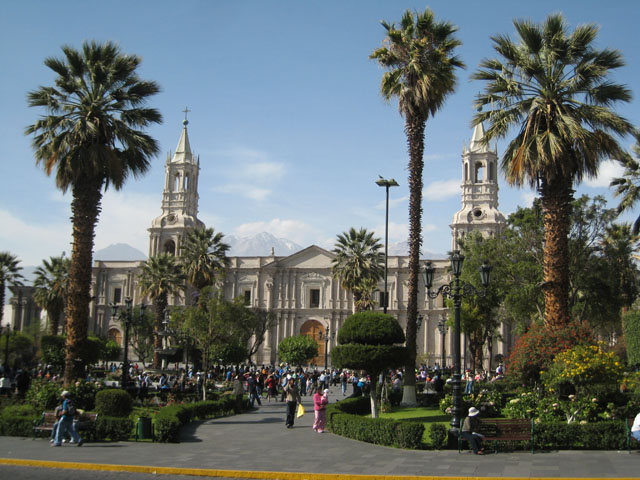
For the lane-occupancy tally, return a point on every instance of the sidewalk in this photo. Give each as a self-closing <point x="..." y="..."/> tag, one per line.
<point x="259" y="442"/>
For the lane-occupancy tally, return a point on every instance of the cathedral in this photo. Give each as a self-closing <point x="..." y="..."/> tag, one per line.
<point x="299" y="289"/>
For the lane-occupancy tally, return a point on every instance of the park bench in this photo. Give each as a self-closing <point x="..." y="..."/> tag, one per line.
<point x="86" y="423"/>
<point x="505" y="430"/>
<point x="630" y="440"/>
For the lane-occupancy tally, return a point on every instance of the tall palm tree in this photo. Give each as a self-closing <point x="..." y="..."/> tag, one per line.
<point x="553" y="86"/>
<point x="51" y="283"/>
<point x="161" y="276"/>
<point x="9" y="275"/>
<point x="203" y="256"/>
<point x="419" y="56"/>
<point x="91" y="136"/>
<point x="628" y="187"/>
<point x="358" y="264"/>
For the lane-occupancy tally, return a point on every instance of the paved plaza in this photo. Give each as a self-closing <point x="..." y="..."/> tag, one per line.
<point x="257" y="444"/>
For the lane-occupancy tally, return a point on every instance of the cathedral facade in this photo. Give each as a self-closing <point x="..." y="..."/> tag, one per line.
<point x="300" y="289"/>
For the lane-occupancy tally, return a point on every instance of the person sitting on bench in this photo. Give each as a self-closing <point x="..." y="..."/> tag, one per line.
<point x="469" y="426"/>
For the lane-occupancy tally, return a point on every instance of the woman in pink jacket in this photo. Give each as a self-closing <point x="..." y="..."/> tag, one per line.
<point x="319" y="408"/>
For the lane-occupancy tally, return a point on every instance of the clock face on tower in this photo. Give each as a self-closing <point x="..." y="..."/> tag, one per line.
<point x="171" y="218"/>
<point x="476" y="214"/>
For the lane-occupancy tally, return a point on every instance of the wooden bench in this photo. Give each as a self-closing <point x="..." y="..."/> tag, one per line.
<point x="505" y="430"/>
<point x="86" y="422"/>
<point x="630" y="440"/>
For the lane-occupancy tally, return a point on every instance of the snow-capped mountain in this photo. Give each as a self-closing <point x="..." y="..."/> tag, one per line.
<point x="402" y="248"/>
<point x="260" y="245"/>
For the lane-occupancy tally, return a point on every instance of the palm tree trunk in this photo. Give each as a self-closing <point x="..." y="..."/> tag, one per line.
<point x="2" y="287"/>
<point x="414" y="127"/>
<point x="160" y="305"/>
<point x="85" y="208"/>
<point x="556" y="198"/>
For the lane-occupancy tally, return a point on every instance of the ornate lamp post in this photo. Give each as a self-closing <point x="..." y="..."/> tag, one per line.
<point x="386" y="184"/>
<point x="125" y="316"/>
<point x="328" y="334"/>
<point x="442" y="327"/>
<point x="456" y="290"/>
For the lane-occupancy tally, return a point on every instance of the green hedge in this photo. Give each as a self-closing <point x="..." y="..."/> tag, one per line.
<point x="170" y="419"/>
<point x="346" y="418"/>
<point x="18" y="421"/>
<point x="113" y="402"/>
<point x="113" y="428"/>
<point x="610" y="435"/>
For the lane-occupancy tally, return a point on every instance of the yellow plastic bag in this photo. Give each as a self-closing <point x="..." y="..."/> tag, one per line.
<point x="300" y="411"/>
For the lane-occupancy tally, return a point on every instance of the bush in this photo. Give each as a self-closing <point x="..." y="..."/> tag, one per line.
<point x="348" y="419"/>
<point x="83" y="394"/>
<point x="18" y="420"/>
<point x="587" y="436"/>
<point x="43" y="395"/>
<point x="371" y="328"/>
<point x="113" y="402"/>
<point x="114" y="428"/>
<point x="631" y="327"/>
<point x="438" y="435"/>
<point x="535" y="350"/>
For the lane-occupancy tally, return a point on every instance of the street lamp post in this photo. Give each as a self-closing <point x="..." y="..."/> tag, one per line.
<point x="442" y="327"/>
<point x="456" y="290"/>
<point x="7" y="330"/>
<point x="125" y="316"/>
<point x="386" y="183"/>
<point x="328" y="334"/>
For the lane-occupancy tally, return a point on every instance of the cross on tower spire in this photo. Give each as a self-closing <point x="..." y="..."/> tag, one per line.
<point x="186" y="111"/>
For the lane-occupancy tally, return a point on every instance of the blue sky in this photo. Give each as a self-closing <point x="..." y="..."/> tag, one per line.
<point x="286" y="113"/>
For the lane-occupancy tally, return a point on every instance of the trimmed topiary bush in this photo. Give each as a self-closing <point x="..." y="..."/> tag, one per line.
<point x="18" y="420"/>
<point x="438" y="435"/>
<point x="114" y="428"/>
<point x="113" y="402"/>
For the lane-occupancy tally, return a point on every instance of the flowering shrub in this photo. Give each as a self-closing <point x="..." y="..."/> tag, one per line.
<point x="522" y="406"/>
<point x="584" y="367"/>
<point x="535" y="350"/>
<point x="549" y="409"/>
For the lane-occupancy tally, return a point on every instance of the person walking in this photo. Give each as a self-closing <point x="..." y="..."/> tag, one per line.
<point x="66" y="421"/>
<point x="292" y="396"/>
<point x="320" y="410"/>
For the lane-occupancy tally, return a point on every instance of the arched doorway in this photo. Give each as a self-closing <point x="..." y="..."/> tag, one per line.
<point x="115" y="335"/>
<point x="312" y="328"/>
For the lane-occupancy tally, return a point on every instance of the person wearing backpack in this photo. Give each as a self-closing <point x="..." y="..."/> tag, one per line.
<point x="66" y="421"/>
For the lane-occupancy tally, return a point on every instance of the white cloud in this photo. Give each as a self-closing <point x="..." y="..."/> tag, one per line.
<point x="528" y="198"/>
<point x="398" y="232"/>
<point x="33" y="242"/>
<point x="441" y="189"/>
<point x="294" y="230"/>
<point x="609" y="169"/>
<point x="249" y="191"/>
<point x="125" y="218"/>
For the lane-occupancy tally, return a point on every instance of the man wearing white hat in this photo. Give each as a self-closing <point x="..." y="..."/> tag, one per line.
<point x="469" y="426"/>
<point x="66" y="421"/>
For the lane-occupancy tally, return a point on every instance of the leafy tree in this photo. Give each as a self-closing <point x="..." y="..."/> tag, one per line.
<point x="50" y="294"/>
<point x="141" y="334"/>
<point x="52" y="350"/>
<point x="111" y="351"/>
<point x="161" y="276"/>
<point x="631" y="324"/>
<point x="9" y="275"/>
<point x="628" y="186"/>
<point x="358" y="264"/>
<point x="297" y="350"/>
<point x="554" y="88"/>
<point x="370" y="341"/>
<point x="203" y="256"/>
<point x="91" y="136"/>
<point x="419" y="56"/>
<point x="257" y="325"/>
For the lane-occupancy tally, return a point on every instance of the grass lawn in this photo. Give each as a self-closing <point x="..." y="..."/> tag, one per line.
<point x="425" y="415"/>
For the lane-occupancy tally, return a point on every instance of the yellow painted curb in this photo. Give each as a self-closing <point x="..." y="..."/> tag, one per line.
<point x="206" y="472"/>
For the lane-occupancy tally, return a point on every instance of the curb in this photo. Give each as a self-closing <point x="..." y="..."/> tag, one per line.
<point x="205" y="472"/>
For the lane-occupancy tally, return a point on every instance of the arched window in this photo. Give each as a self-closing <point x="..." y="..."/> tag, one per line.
<point x="176" y="182"/>
<point x="186" y="183"/>
<point x="466" y="172"/>
<point x="479" y="173"/>
<point x="170" y="247"/>
<point x="115" y="335"/>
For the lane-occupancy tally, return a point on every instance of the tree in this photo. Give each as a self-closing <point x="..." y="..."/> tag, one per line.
<point x="554" y="87"/>
<point x="419" y="56"/>
<point x="9" y="275"/>
<point x="161" y="276"/>
<point x="297" y="350"/>
<point x="628" y="186"/>
<point x="203" y="256"/>
<point x="358" y="264"/>
<point x="51" y="282"/>
<point x="91" y="136"/>
<point x="631" y="324"/>
<point x="370" y="341"/>
<point x="257" y="325"/>
<point x="52" y="351"/>
<point x="141" y="335"/>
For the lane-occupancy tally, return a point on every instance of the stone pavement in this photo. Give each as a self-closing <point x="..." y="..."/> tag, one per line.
<point x="258" y="441"/>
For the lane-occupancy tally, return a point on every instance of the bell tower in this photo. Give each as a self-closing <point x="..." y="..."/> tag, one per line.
<point x="179" y="199"/>
<point x="479" y="212"/>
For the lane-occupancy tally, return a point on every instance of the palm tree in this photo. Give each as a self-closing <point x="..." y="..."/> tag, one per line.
<point x="51" y="282"/>
<point x="92" y="138"/>
<point x="358" y="264"/>
<point x="203" y="256"/>
<point x="553" y="87"/>
<point x="629" y="185"/>
<point x="9" y="275"/>
<point x="161" y="276"/>
<point x="419" y="57"/>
